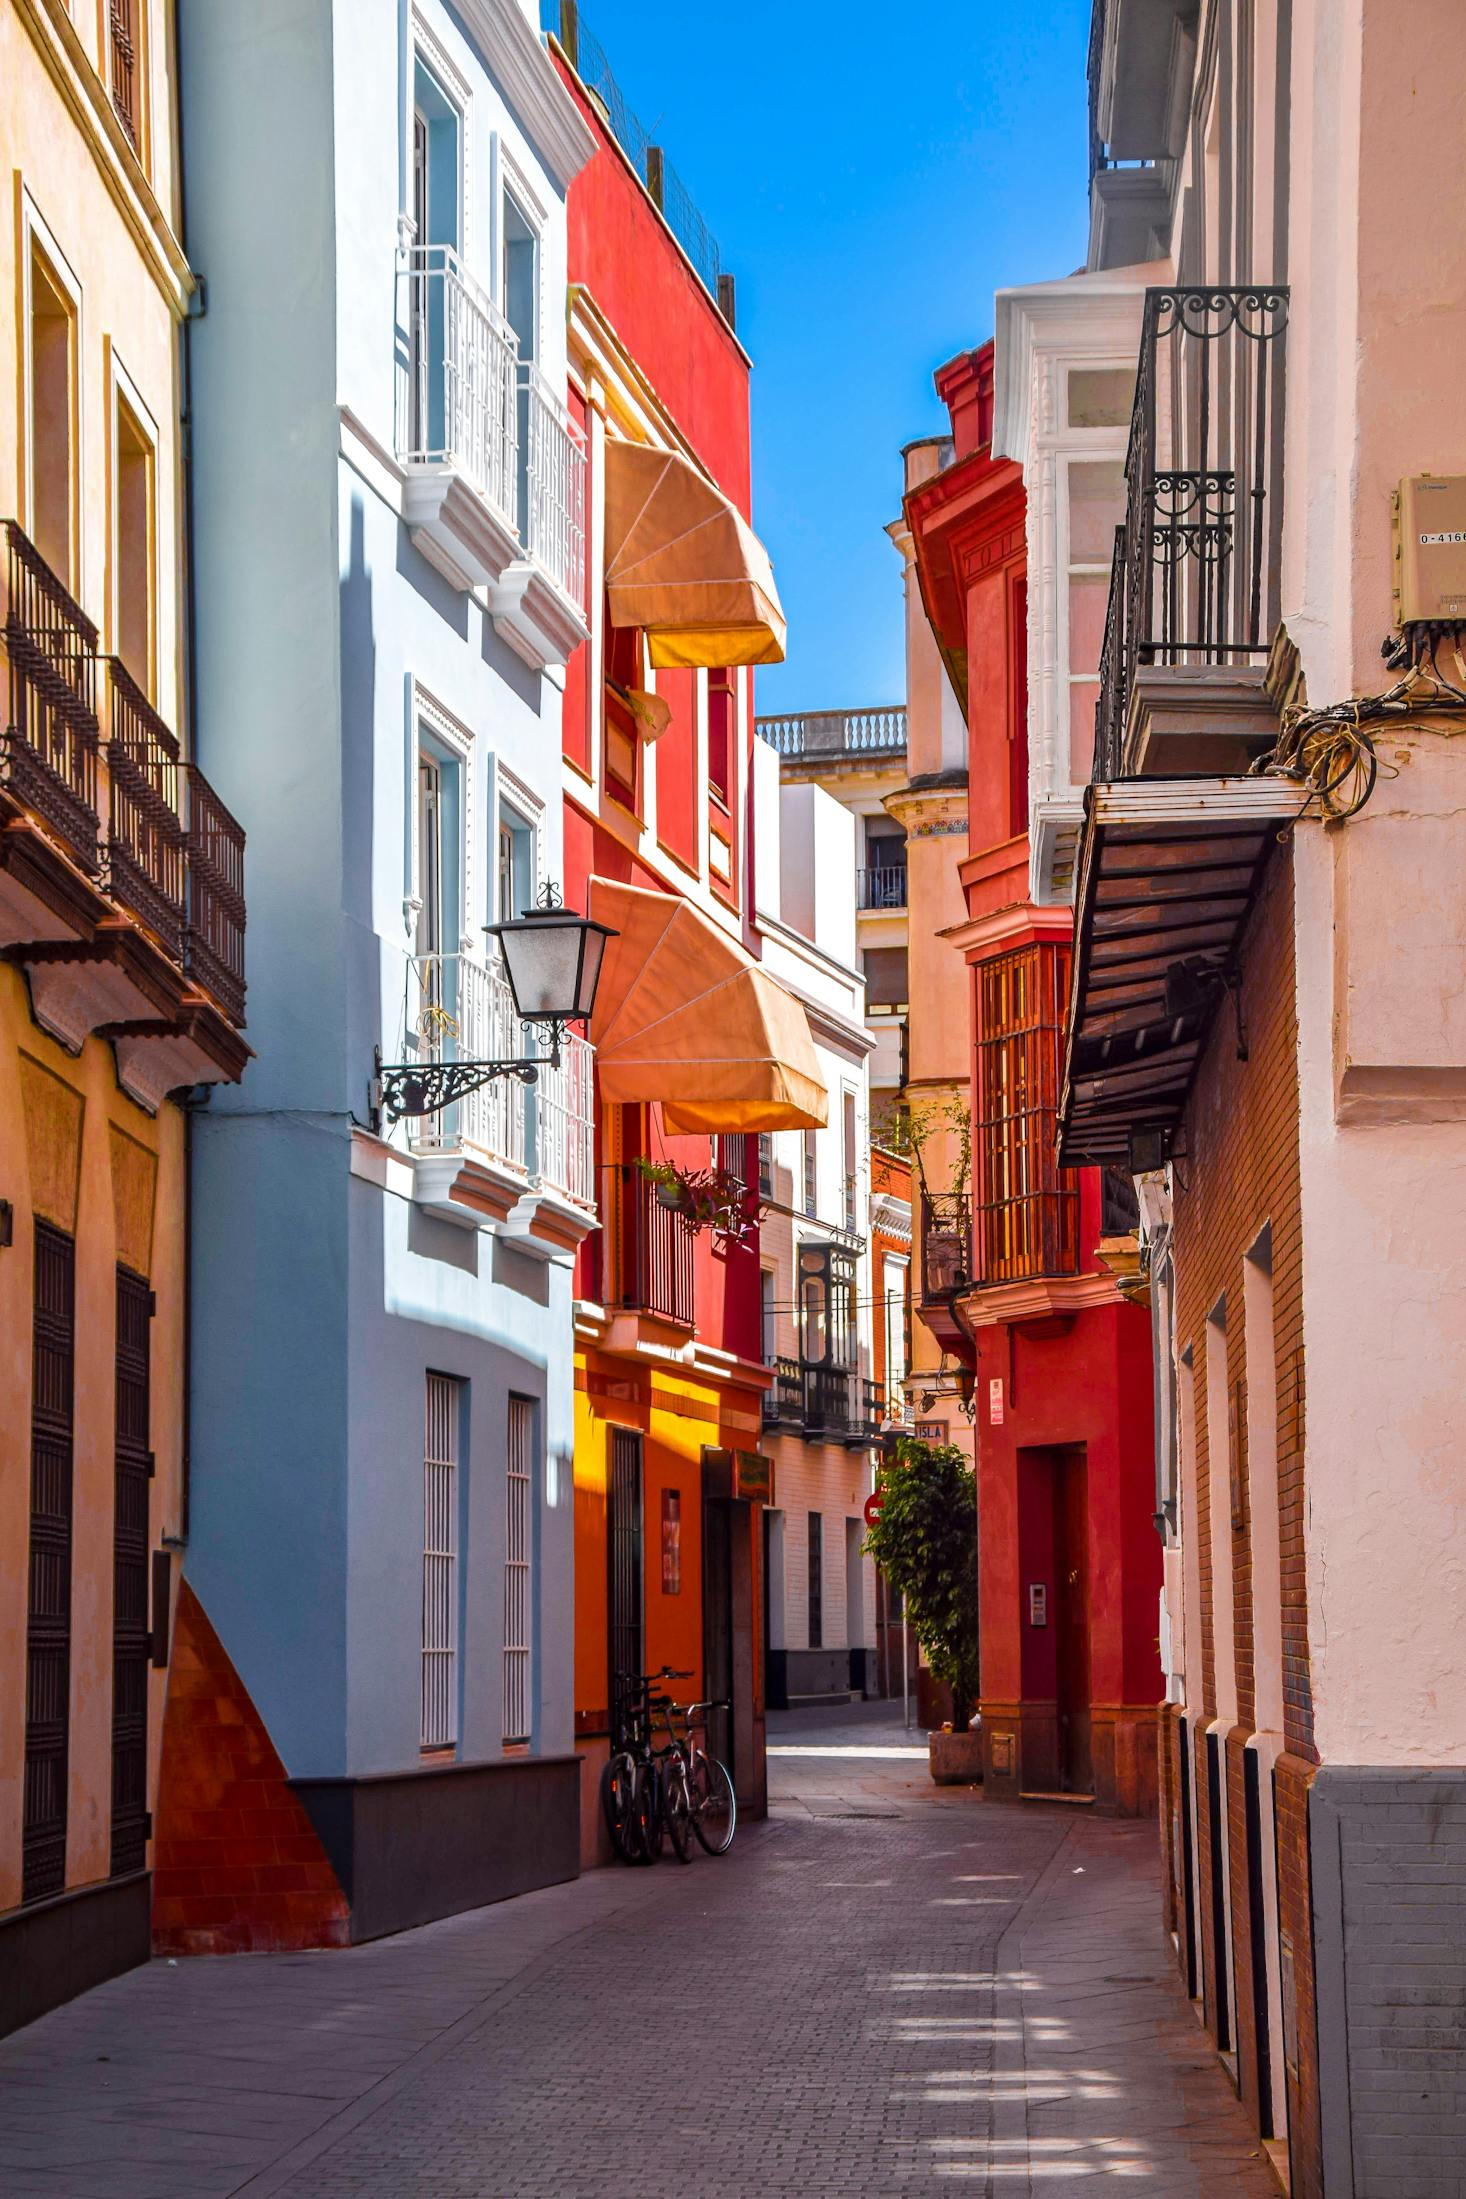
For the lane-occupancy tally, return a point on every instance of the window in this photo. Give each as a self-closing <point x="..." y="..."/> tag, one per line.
<point x="624" y="677"/>
<point x="440" y="1563"/>
<point x="429" y="853"/>
<point x="625" y="1643"/>
<point x="893" y="1289"/>
<point x="515" y="882"/>
<point x="765" y="1164"/>
<point x="520" y="277"/>
<point x="810" y="1175"/>
<point x="827" y="1330"/>
<point x="1027" y="1207"/>
<point x="133" y="545"/>
<point x="53" y="401"/>
<point x="816" y="1581"/>
<point x="518" y="1572"/>
<point x="767" y="1287"/>
<point x="438" y="331"/>
<point x="849" y="1158"/>
<point x="123" y="63"/>
<point x="722" y="729"/>
<point x="885" y="977"/>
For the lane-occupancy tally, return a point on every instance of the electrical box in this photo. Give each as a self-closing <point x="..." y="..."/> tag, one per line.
<point x="1430" y="550"/>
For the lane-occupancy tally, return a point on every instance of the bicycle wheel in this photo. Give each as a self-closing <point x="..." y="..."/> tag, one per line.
<point x="677" y="1808"/>
<point x="647" y="1807"/>
<point x="714" y="1804"/>
<point x="618" y="1805"/>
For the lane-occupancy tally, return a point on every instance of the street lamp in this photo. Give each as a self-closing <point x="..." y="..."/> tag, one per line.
<point x="552" y="958"/>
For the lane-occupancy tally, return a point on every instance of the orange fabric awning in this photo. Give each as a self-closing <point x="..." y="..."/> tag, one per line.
<point x="685" y="1017"/>
<point x="683" y="563"/>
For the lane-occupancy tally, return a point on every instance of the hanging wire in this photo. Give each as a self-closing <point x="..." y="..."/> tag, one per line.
<point x="1332" y="750"/>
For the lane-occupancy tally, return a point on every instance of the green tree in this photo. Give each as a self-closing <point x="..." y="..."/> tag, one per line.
<point x="925" y="1542"/>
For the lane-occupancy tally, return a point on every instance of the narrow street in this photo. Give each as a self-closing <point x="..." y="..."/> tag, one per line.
<point x="885" y="1989"/>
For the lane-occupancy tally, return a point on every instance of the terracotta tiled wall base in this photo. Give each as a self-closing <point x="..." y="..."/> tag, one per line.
<point x="236" y="1866"/>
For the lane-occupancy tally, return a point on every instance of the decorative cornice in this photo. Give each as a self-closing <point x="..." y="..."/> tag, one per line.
<point x="532" y="84"/>
<point x="1002" y="1303"/>
<point x="59" y="45"/>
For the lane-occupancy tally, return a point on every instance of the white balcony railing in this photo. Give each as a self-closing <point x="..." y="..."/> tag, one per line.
<point x="462" y="1010"/>
<point x="553" y="520"/>
<point x="459" y="399"/>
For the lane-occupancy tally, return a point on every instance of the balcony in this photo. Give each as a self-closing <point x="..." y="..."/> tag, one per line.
<point x="516" y="1155"/>
<point x="656" y="1253"/>
<point x="1194" y="587"/>
<point x="836" y="736"/>
<point x="537" y="603"/>
<point x="826" y="1404"/>
<point x="881" y="886"/>
<point x="107" y="893"/>
<point x="494" y="493"/>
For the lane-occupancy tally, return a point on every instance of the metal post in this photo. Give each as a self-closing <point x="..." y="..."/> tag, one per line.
<point x="905" y="1671"/>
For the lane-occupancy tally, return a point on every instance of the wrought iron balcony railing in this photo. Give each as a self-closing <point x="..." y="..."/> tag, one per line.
<point x="51" y="736"/>
<point x="147" y="867"/>
<point x="1195" y="578"/>
<point x="829" y="1404"/>
<point x="458" y="401"/>
<point x="656" y="1252"/>
<point x="946" y="1244"/>
<point x="460" y="1009"/>
<point x="882" y="886"/>
<point x="552" y="505"/>
<point x="835" y="733"/>
<point x="114" y="794"/>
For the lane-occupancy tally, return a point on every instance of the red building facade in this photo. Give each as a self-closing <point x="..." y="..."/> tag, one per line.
<point x="658" y="729"/>
<point x="1070" y="1563"/>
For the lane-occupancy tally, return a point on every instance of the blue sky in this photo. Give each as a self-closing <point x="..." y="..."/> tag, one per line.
<point x="872" y="174"/>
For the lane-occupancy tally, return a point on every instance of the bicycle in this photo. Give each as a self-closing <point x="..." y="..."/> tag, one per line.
<point x="676" y="1789"/>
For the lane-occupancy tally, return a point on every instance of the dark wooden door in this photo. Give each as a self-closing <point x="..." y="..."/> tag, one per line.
<point x="625" y="1551"/>
<point x="48" y="1622"/>
<point x="1071" y="1619"/>
<point x="1257" y="1862"/>
<point x="133" y="1468"/>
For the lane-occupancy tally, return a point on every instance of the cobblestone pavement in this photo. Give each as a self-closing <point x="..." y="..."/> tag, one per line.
<point x="886" y="1990"/>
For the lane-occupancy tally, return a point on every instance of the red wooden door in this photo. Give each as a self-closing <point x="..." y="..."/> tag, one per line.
<point x="1071" y="1619"/>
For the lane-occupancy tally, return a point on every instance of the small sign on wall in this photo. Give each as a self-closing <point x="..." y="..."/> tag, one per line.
<point x="671" y="1542"/>
<point x="1038" y="1603"/>
<point x="995" y="1401"/>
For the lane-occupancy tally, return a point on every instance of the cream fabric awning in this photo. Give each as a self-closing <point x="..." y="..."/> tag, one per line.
<point x="685" y="1017"/>
<point x="683" y="563"/>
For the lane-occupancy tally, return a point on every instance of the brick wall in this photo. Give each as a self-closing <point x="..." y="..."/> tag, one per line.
<point x="1240" y="1174"/>
<point x="237" y="1867"/>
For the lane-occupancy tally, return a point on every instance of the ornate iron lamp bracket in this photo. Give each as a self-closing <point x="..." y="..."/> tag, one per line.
<point x="427" y="1087"/>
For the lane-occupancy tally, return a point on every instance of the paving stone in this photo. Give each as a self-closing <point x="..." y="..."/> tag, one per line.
<point x="889" y="1989"/>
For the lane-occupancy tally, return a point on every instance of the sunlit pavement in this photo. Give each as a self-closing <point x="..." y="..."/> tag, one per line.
<point x="887" y="1989"/>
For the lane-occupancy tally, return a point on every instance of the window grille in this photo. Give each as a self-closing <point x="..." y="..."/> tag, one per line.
<point x="440" y="1564"/>
<point x="48" y="1628"/>
<point x="1027" y="1207"/>
<point x="626" y="1602"/>
<point x="518" y="1576"/>
<point x="123" y="43"/>
<point x="130" y="1645"/>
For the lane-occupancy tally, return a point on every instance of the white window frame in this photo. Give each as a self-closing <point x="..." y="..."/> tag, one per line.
<point x="35" y="229"/>
<point x="450" y="733"/>
<point x="520" y="1459"/>
<point x="425" y="45"/>
<point x="442" y="1496"/>
<point x="123" y="390"/>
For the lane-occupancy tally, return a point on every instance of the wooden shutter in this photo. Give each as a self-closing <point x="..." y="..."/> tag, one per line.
<point x="518" y="1571"/>
<point x="48" y="1625"/>
<point x="440" y="1564"/>
<point x="130" y="1646"/>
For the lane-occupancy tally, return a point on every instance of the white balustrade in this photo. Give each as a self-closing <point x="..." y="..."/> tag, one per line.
<point x="553" y="523"/>
<point x="459" y="1009"/>
<point x="459" y="405"/>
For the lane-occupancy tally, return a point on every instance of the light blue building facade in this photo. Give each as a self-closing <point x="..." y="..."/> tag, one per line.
<point x="388" y="545"/>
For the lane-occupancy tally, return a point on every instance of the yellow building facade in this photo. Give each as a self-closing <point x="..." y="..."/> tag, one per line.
<point x="121" y="987"/>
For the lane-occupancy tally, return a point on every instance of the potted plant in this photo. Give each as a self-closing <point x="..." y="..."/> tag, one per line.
<point x="925" y="1541"/>
<point x="702" y="1198"/>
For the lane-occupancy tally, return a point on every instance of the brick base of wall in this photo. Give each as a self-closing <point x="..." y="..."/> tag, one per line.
<point x="237" y="1866"/>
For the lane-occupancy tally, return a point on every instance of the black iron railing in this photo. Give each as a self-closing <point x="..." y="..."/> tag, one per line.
<point x="1195" y="579"/>
<point x="882" y="886"/>
<point x="879" y="732"/>
<point x="946" y="1243"/>
<point x="213" y="947"/>
<point x="784" y="1402"/>
<point x="146" y="862"/>
<point x="49" y="753"/>
<point x="656" y="1252"/>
